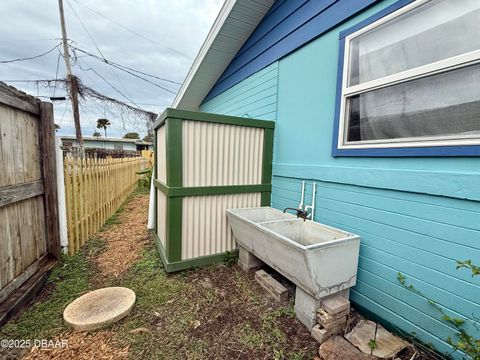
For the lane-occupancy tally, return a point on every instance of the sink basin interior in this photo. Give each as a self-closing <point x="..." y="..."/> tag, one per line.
<point x="263" y="214"/>
<point x="305" y="232"/>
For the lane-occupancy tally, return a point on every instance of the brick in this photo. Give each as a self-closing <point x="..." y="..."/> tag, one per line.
<point x="321" y="334"/>
<point x="324" y="317"/>
<point x="273" y="287"/>
<point x="333" y="324"/>
<point x="335" y="304"/>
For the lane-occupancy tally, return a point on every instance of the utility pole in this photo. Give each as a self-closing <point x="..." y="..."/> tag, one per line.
<point x="72" y="81"/>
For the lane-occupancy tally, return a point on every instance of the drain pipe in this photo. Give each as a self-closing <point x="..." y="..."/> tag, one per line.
<point x="312" y="207"/>
<point x="314" y="193"/>
<point x="300" y="206"/>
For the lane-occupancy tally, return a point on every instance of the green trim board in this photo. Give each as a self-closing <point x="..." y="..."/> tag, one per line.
<point x="154" y="178"/>
<point x="211" y="190"/>
<point x="170" y="113"/>
<point x="173" y="241"/>
<point x="267" y="156"/>
<point x="173" y="137"/>
<point x="172" y="266"/>
<point x="267" y="164"/>
<point x="266" y="198"/>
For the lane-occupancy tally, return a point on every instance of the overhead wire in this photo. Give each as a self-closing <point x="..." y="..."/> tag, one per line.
<point x="120" y="67"/>
<point x="56" y="71"/>
<point x="134" y="32"/>
<point x="32" y="80"/>
<point x="76" y="46"/>
<point x="29" y="58"/>
<point x="100" y="52"/>
<point x="29" y="40"/>
<point x="107" y="82"/>
<point x="93" y="82"/>
<point x="63" y="115"/>
<point x="110" y="62"/>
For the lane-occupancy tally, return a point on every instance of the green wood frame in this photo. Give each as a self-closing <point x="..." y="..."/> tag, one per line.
<point x="171" y="253"/>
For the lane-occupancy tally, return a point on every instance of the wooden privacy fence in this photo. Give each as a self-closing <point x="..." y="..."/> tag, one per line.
<point x="94" y="190"/>
<point x="29" y="231"/>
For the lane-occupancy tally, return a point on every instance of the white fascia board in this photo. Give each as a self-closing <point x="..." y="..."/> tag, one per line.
<point x="212" y="35"/>
<point x="224" y="40"/>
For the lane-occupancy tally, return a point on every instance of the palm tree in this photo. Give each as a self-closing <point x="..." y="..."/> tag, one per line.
<point x="103" y="124"/>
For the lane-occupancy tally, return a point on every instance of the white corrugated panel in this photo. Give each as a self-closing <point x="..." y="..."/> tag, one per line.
<point x="219" y="154"/>
<point x="161" y="216"/>
<point x="205" y="230"/>
<point x="161" y="155"/>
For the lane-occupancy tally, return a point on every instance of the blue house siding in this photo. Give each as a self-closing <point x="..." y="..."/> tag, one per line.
<point x="420" y="236"/>
<point x="255" y="97"/>
<point x="287" y="26"/>
<point x="416" y="216"/>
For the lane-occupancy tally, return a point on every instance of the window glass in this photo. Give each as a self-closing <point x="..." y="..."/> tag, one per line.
<point x="434" y="31"/>
<point x="444" y="104"/>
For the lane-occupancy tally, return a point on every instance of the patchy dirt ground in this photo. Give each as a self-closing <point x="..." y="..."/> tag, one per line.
<point x="82" y="346"/>
<point x="217" y="312"/>
<point x="125" y="240"/>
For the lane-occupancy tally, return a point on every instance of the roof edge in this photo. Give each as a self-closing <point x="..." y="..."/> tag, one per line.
<point x="212" y="35"/>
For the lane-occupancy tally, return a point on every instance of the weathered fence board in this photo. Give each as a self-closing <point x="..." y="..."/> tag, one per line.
<point x="28" y="206"/>
<point x="15" y="193"/>
<point x="95" y="189"/>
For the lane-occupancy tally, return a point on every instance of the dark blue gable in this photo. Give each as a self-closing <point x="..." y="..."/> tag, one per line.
<point x="288" y="25"/>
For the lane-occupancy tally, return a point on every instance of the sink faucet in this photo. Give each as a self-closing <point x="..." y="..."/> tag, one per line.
<point x="303" y="211"/>
<point x="299" y="212"/>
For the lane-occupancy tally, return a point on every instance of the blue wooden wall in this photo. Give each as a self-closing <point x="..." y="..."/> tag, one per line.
<point x="288" y="25"/>
<point x="255" y="97"/>
<point x="416" y="216"/>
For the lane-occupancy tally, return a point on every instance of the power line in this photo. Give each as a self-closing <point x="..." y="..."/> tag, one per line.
<point x="101" y="54"/>
<point x="28" y="40"/>
<point x="107" y="82"/>
<point x="40" y="80"/>
<point x="110" y="62"/>
<point x="56" y="72"/>
<point x="127" y="71"/>
<point x="63" y="115"/>
<point x="133" y="32"/>
<point x="92" y="93"/>
<point x="86" y="72"/>
<point x="84" y="28"/>
<point x="46" y="81"/>
<point x="29" y="58"/>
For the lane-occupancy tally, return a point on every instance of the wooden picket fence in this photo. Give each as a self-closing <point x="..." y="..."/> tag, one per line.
<point x="148" y="154"/>
<point x="94" y="190"/>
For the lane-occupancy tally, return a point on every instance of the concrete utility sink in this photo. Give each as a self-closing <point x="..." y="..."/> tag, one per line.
<point x="319" y="259"/>
<point x="261" y="214"/>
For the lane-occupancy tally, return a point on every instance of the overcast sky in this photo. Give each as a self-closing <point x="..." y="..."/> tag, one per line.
<point x="177" y="28"/>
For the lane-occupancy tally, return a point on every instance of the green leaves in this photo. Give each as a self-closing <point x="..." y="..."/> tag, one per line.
<point x="454" y="321"/>
<point x="468" y="265"/>
<point x="464" y="341"/>
<point x="372" y="344"/>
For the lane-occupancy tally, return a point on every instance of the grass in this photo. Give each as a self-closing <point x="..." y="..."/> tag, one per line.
<point x="43" y="319"/>
<point x="214" y="312"/>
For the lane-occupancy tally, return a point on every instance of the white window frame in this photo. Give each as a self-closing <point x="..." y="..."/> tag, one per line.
<point x="440" y="66"/>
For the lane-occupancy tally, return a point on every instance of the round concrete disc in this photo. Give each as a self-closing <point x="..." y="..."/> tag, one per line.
<point x="99" y="308"/>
